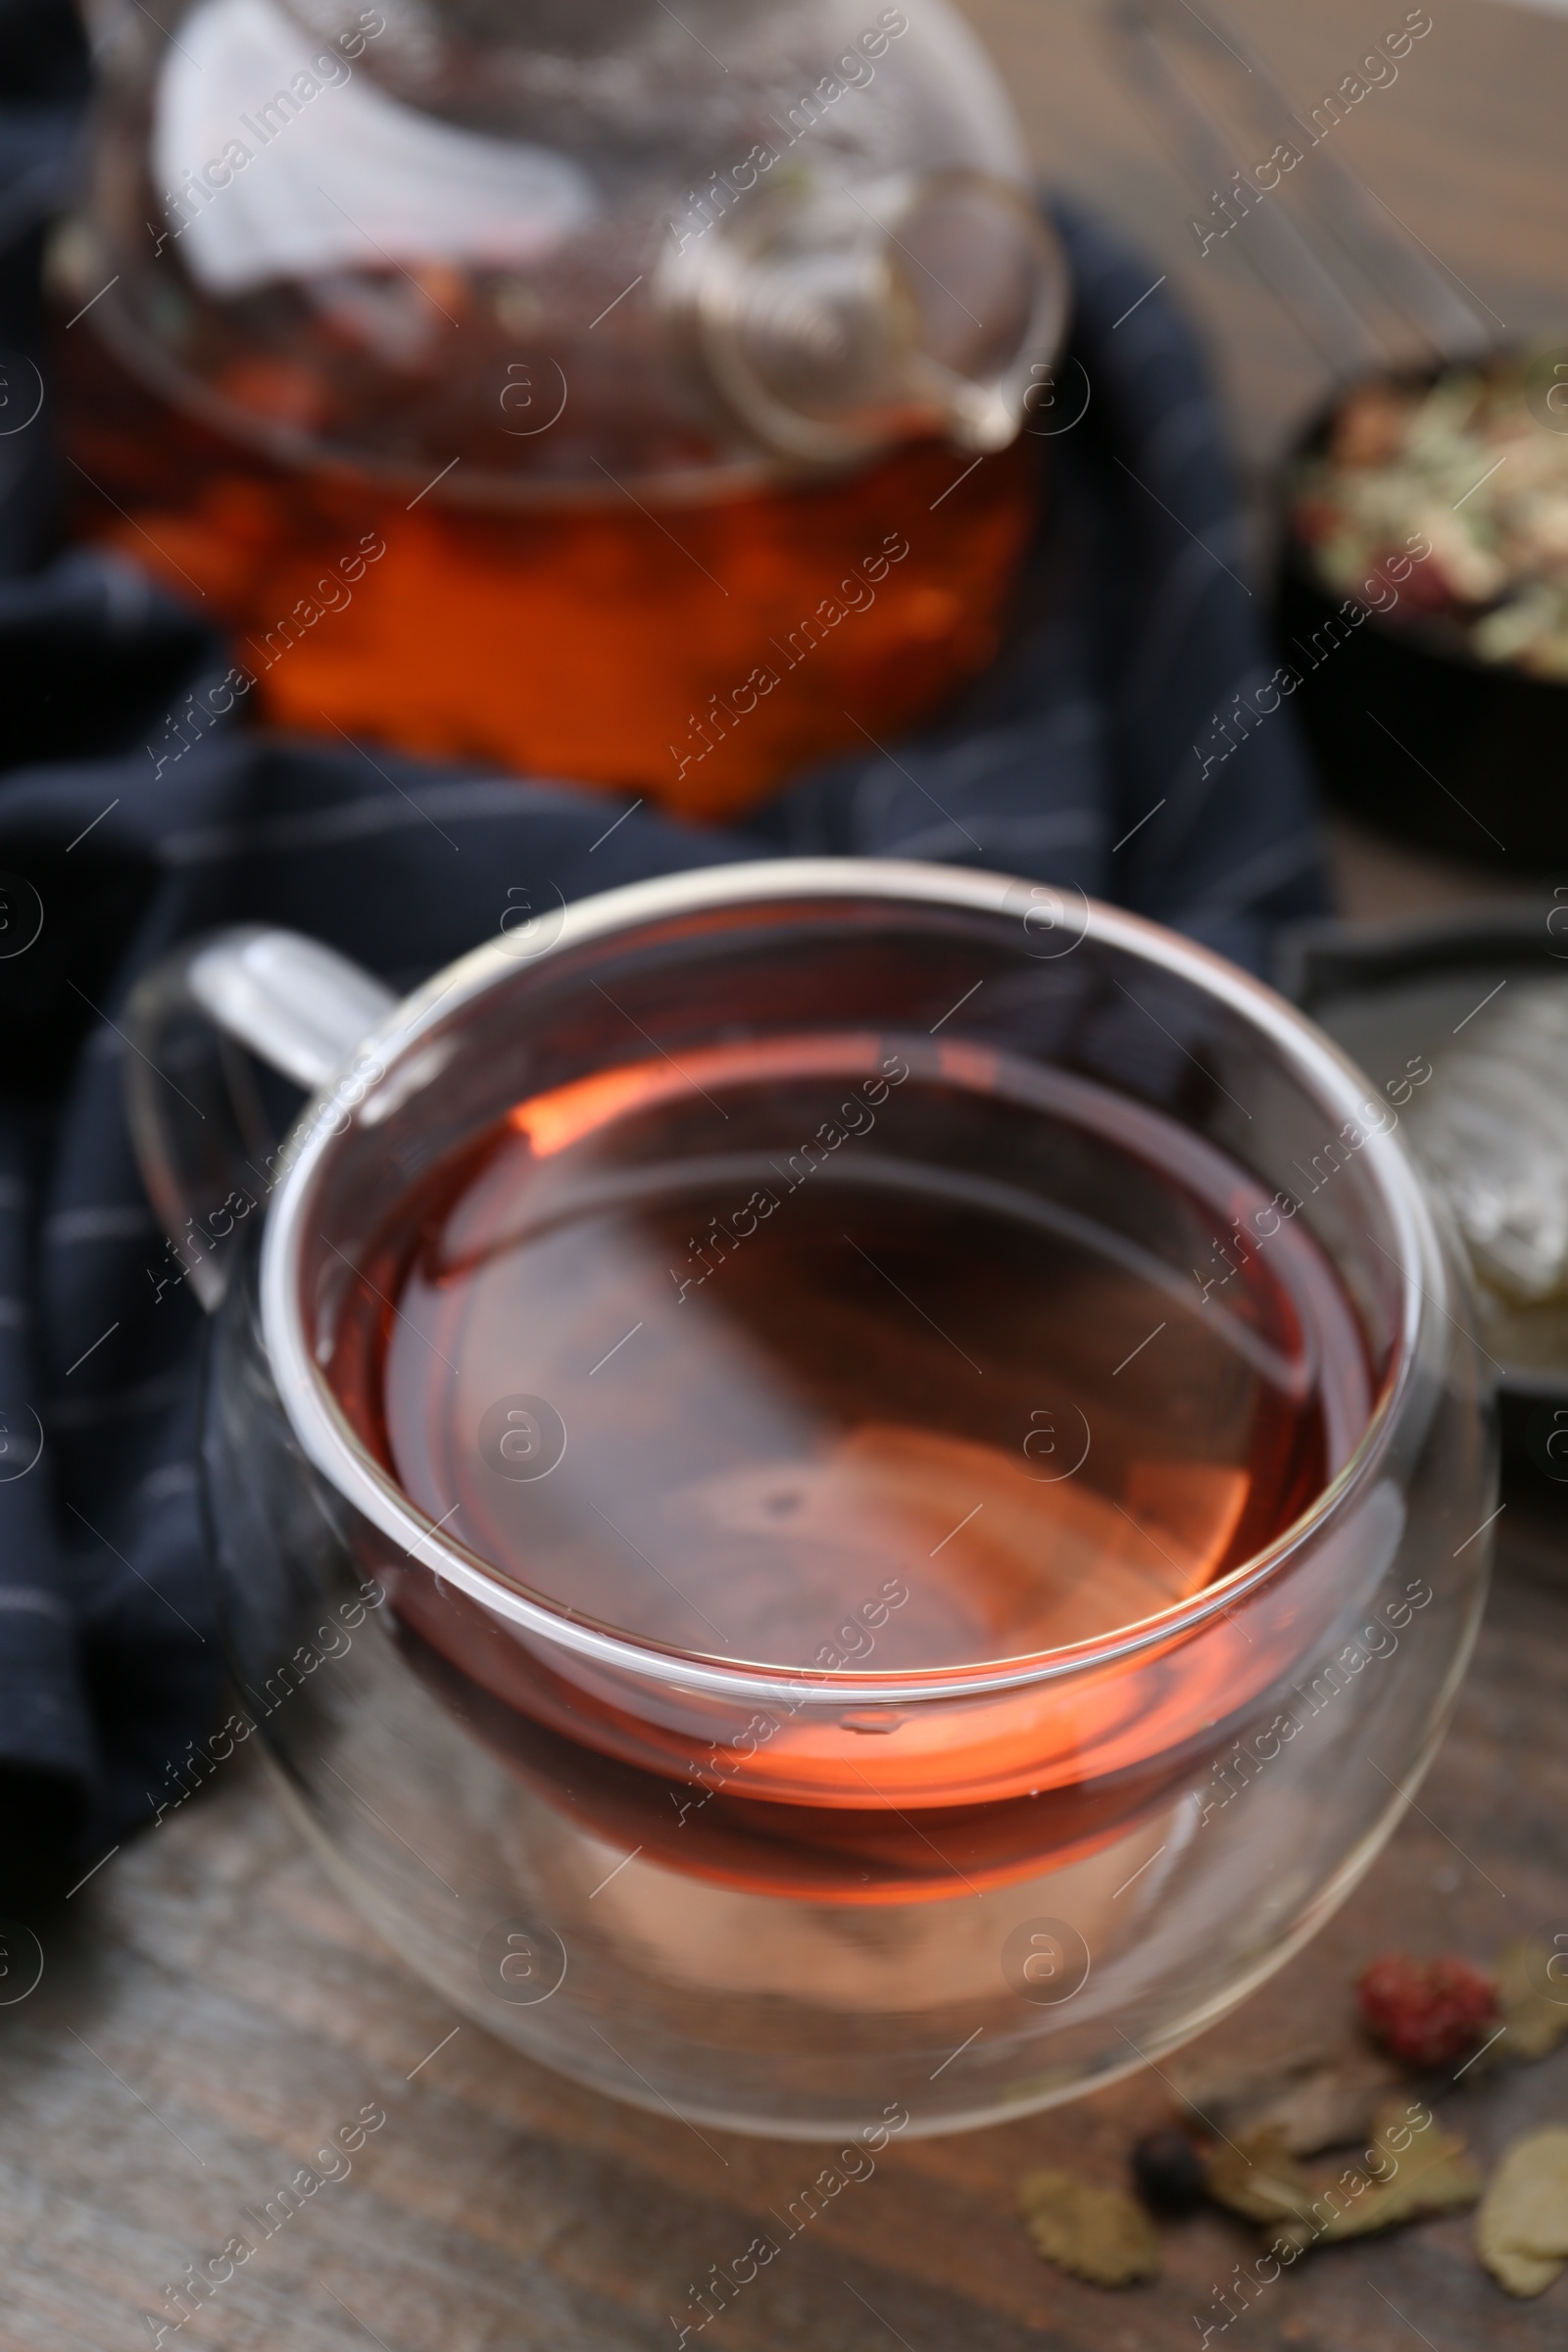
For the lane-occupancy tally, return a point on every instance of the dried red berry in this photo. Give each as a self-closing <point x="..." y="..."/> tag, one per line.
<point x="1427" y="2012"/>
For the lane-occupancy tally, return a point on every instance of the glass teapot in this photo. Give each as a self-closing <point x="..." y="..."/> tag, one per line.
<point x="604" y="391"/>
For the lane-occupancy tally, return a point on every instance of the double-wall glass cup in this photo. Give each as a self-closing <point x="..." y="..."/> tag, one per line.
<point x="838" y="1489"/>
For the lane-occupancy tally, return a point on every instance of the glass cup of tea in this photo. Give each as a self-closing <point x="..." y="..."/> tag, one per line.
<point x="848" y="1495"/>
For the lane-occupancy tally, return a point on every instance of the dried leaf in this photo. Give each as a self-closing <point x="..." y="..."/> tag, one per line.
<point x="1261" y="2180"/>
<point x="1522" y="2227"/>
<point x="1520" y="2274"/>
<point x="1533" y="2005"/>
<point x="1435" y="2175"/>
<point x="1429" y="2173"/>
<point x="1537" y="2217"/>
<point x="1100" y="2235"/>
<point x="1311" y="2099"/>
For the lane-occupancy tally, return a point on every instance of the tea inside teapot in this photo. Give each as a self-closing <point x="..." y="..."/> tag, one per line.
<point x="581" y="327"/>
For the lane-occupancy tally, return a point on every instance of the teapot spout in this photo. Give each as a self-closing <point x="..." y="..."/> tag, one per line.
<point x="983" y="417"/>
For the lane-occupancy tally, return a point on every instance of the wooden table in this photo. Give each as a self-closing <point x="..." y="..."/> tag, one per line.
<point x="208" y="2010"/>
<point x="1465" y="147"/>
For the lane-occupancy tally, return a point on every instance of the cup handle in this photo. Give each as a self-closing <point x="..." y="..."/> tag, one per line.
<point x="202" y="1140"/>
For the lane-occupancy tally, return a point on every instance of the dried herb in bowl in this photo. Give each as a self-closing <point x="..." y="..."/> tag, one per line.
<point x="1474" y="460"/>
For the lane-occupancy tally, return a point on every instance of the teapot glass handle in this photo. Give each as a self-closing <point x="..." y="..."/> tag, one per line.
<point x="800" y="318"/>
<point x="203" y="1143"/>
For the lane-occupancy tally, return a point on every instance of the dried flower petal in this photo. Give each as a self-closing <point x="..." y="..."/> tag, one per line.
<point x="1522" y="2227"/>
<point x="1100" y="2235"/>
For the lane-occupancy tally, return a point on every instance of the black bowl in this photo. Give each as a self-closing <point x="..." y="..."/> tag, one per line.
<point x="1410" y="733"/>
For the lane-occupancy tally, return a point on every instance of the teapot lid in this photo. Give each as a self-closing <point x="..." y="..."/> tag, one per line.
<point x="565" y="248"/>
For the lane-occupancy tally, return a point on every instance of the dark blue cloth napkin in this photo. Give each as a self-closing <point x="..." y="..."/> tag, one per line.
<point x="1073" y="761"/>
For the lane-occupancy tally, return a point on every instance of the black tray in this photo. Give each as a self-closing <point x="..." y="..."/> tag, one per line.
<point x="1386" y="992"/>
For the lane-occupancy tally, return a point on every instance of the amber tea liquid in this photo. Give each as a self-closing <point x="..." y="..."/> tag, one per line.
<point x="701" y="655"/>
<point x="844" y="1354"/>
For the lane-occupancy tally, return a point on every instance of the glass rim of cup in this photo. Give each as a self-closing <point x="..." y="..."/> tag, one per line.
<point x="336" y="1451"/>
